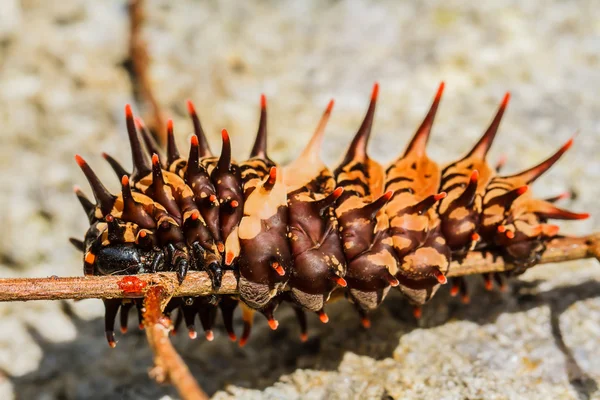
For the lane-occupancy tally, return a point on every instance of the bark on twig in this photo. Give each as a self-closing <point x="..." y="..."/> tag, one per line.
<point x="168" y="365"/>
<point x="199" y="284"/>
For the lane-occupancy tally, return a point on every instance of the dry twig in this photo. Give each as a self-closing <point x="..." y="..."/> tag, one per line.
<point x="168" y="365"/>
<point x="199" y="284"/>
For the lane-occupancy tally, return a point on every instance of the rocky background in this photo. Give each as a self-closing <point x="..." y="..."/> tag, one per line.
<point x="63" y="85"/>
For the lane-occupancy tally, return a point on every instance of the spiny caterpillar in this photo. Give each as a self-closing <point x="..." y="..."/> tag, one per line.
<point x="303" y="233"/>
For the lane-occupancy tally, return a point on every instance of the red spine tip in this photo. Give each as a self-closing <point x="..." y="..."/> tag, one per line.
<point x="232" y="336"/>
<point x="323" y="317"/>
<point x="263" y="101"/>
<point x="170" y="126"/>
<point x="568" y="145"/>
<point x="440" y="91"/>
<point x="501" y="229"/>
<point x="375" y="92"/>
<point x="341" y="281"/>
<point x="365" y="322"/>
<point x="439" y="196"/>
<point x="330" y="106"/>
<point x="489" y="285"/>
<point x="210" y="336"/>
<point x="522" y="190"/>
<point x="229" y="258"/>
<point x="388" y="195"/>
<point x="505" y="100"/>
<point x="510" y="234"/>
<point x="123" y="330"/>
<point x="273" y="324"/>
<point x="303" y="337"/>
<point x="128" y="112"/>
<point x="475" y="237"/>
<point x="392" y="280"/>
<point x="417" y="312"/>
<point x="194" y="140"/>
<point x="80" y="161"/>
<point x="235" y="204"/>
<point x="76" y="189"/>
<point x="124" y="180"/>
<point x="212" y="198"/>
<point x="225" y="135"/>
<point x="112" y="344"/>
<point x="272" y="175"/>
<point x="191" y="108"/>
<point x="109" y="218"/>
<point x="474" y="176"/>
<point x="104" y="155"/>
<point x="192" y="333"/>
<point x="338" y="192"/>
<point x="454" y="290"/>
<point x="442" y="279"/>
<point x="583" y="216"/>
<point x="155" y="159"/>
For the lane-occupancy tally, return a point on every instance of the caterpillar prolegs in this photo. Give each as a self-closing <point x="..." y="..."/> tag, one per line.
<point x="303" y="233"/>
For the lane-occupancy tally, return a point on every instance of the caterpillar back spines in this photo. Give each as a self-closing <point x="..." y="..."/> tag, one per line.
<point x="228" y="184"/>
<point x="203" y="147"/>
<point x="266" y="259"/>
<point x="115" y="165"/>
<point x="104" y="199"/>
<point x="460" y="210"/>
<point x="363" y="228"/>
<point x="141" y="162"/>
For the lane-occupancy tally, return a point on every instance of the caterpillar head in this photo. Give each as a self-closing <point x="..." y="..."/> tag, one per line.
<point x="125" y="259"/>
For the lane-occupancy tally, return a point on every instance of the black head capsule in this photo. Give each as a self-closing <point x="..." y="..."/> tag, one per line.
<point x="127" y="259"/>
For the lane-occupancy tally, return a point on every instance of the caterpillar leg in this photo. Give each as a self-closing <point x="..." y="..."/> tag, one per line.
<point x="301" y="317"/>
<point x="207" y="312"/>
<point x="248" y="318"/>
<point x="189" y="316"/>
<point x="111" y="306"/>
<point x="459" y="286"/>
<point x="126" y="305"/>
<point x="228" y="305"/>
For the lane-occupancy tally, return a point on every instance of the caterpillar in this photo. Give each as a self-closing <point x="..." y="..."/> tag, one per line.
<point x="303" y="233"/>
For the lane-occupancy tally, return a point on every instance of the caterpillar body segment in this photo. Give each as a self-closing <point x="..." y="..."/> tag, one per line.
<point x="303" y="233"/>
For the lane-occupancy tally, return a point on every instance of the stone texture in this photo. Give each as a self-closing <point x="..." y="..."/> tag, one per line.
<point x="62" y="91"/>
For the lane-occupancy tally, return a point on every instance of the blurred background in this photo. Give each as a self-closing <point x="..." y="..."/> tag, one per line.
<point x="65" y="77"/>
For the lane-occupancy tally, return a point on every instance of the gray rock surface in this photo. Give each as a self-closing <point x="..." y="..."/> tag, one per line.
<point x="62" y="91"/>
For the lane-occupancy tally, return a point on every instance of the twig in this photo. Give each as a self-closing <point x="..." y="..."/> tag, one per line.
<point x="109" y="287"/>
<point x="140" y="77"/>
<point x="199" y="284"/>
<point x="168" y="365"/>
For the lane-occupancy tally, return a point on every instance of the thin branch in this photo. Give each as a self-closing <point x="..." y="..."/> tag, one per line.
<point x="140" y="77"/>
<point x="199" y="284"/>
<point x="168" y="365"/>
